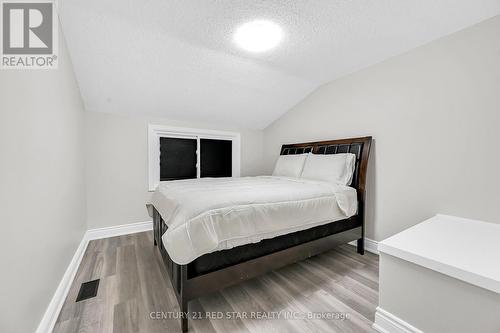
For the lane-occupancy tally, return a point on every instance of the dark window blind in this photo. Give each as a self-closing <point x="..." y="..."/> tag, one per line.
<point x="216" y="158"/>
<point x="177" y="158"/>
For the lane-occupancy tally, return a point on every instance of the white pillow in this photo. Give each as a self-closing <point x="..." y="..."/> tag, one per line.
<point x="333" y="168"/>
<point x="289" y="165"/>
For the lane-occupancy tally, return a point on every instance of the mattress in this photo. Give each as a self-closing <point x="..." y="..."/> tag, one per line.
<point x="212" y="214"/>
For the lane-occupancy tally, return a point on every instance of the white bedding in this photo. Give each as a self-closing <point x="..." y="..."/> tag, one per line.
<point x="211" y="214"/>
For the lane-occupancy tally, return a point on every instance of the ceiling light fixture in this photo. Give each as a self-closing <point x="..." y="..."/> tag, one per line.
<point x="258" y="36"/>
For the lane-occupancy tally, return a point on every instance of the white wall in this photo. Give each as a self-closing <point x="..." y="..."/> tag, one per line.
<point x="42" y="194"/>
<point x="117" y="165"/>
<point x="434" y="113"/>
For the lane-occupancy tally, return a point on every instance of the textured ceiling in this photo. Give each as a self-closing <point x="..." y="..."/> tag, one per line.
<point x="176" y="59"/>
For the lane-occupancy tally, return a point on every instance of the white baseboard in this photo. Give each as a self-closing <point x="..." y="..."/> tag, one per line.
<point x="50" y="317"/>
<point x="119" y="230"/>
<point x="370" y="245"/>
<point x="386" y="322"/>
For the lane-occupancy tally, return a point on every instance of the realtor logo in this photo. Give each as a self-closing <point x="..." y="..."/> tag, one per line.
<point x="29" y="34"/>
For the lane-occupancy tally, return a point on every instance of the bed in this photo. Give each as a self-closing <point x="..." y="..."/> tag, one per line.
<point x="213" y="233"/>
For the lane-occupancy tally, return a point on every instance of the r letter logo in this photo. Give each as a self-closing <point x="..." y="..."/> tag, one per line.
<point x="29" y="34"/>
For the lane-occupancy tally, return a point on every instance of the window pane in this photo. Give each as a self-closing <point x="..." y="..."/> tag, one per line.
<point x="177" y="158"/>
<point x="216" y="158"/>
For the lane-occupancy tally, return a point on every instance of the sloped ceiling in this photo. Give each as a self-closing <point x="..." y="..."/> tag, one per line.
<point x="176" y="58"/>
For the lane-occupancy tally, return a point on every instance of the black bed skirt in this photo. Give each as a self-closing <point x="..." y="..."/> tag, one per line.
<point x="216" y="260"/>
<point x="220" y="259"/>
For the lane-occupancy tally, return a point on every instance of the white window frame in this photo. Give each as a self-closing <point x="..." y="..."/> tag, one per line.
<point x="155" y="132"/>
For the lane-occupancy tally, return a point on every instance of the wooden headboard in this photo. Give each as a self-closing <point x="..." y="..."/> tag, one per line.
<point x="358" y="146"/>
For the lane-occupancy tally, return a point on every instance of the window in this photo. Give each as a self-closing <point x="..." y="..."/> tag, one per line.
<point x="184" y="153"/>
<point x="216" y="158"/>
<point x="177" y="158"/>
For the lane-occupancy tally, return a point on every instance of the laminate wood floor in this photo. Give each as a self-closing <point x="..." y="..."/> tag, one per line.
<point x="134" y="287"/>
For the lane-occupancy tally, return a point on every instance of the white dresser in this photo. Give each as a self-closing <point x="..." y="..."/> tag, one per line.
<point x="442" y="275"/>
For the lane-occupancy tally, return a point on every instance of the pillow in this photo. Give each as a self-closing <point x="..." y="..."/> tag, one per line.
<point x="290" y="165"/>
<point x="333" y="168"/>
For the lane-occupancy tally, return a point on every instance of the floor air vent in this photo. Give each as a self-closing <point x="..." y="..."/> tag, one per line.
<point x="88" y="290"/>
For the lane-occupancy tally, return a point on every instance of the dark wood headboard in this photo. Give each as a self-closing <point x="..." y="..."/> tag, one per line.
<point x="358" y="146"/>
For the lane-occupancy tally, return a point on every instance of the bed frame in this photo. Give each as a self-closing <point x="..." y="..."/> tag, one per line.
<point x="190" y="287"/>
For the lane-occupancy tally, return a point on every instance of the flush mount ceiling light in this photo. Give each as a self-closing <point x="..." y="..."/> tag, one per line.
<point x="258" y="36"/>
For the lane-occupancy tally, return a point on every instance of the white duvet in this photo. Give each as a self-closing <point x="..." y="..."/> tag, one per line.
<point x="211" y="214"/>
